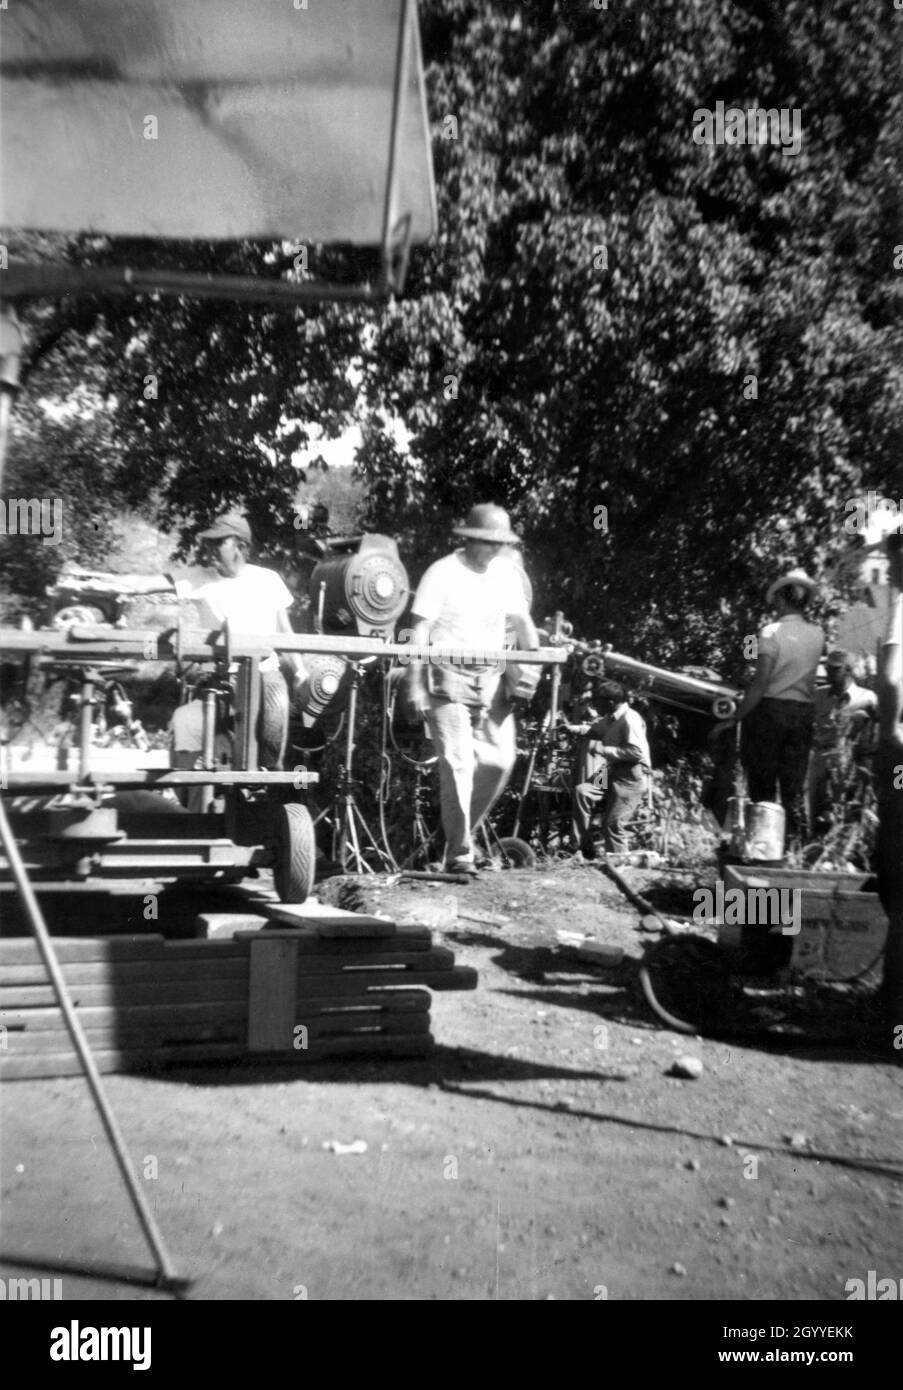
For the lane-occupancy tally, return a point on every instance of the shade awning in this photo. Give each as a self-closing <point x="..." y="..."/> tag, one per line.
<point x="212" y="119"/>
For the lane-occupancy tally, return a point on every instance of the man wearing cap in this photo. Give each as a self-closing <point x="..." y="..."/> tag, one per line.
<point x="777" y="710"/>
<point x="845" y="715"/>
<point x="611" y="768"/>
<point x="465" y="600"/>
<point x="251" y="599"/>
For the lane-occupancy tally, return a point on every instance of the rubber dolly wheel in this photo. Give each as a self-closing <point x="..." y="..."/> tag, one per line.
<point x="515" y="853"/>
<point x="296" y="853"/>
<point x="273" y="719"/>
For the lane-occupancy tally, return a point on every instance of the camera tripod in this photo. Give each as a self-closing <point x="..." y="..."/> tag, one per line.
<point x="346" y="817"/>
<point x="505" y="852"/>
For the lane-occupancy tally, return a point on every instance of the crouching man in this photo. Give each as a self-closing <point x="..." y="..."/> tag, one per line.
<point x="610" y="772"/>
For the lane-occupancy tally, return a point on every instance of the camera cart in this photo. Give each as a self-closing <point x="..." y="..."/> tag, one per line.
<point x="101" y="818"/>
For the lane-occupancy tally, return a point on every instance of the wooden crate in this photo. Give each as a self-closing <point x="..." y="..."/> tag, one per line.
<point x="842" y="929"/>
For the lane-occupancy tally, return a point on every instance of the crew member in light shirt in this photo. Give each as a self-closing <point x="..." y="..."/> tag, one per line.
<point x="467" y="600"/>
<point x="777" y="710"/>
<point x="253" y="600"/>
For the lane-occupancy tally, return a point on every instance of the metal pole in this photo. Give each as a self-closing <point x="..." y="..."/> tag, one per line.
<point x="82" y="1047"/>
<point x="209" y="730"/>
<point x="347" y="830"/>
<point x="6" y="410"/>
<point x="21" y="281"/>
<point x="556" y="674"/>
<point x="85" y="728"/>
<point x="389" y="206"/>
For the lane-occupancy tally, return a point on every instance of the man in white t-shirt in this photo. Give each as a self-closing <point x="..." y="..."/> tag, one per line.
<point x="778" y="710"/>
<point x="252" y="599"/>
<point x="466" y="600"/>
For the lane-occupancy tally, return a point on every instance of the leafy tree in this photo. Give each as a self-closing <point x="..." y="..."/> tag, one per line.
<point x="63" y="454"/>
<point x="701" y="339"/>
<point x="213" y="400"/>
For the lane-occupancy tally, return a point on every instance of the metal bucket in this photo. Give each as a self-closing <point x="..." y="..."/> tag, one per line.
<point x="765" y="829"/>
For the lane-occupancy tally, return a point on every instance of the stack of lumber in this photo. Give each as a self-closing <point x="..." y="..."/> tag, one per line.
<point x="332" y="984"/>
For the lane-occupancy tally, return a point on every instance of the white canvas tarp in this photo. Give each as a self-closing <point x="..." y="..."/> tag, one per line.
<point x="210" y="119"/>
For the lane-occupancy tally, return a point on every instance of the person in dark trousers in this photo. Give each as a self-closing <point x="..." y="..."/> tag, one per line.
<point x="777" y="712"/>
<point x="888" y="767"/>
<point x="610" y="772"/>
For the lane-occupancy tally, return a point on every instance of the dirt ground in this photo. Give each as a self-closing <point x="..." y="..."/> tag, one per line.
<point x="541" y="1151"/>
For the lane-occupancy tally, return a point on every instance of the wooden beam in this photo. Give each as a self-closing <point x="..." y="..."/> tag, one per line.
<point x="271" y="994"/>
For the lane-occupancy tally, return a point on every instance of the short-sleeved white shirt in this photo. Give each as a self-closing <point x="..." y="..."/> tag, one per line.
<point x="251" y="601"/>
<point x="797" y="647"/>
<point x="467" y="609"/>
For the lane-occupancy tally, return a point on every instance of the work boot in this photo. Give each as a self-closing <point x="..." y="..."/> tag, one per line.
<point x="463" y="866"/>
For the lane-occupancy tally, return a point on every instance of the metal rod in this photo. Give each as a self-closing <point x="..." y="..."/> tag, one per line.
<point x="6" y="410"/>
<point x="389" y="206"/>
<point x="86" y="714"/>
<point x="209" y="729"/>
<point x="345" y="819"/>
<point x="83" y="642"/>
<point x="85" y="1056"/>
<point x="21" y="281"/>
<point x="159" y="777"/>
<point x="556" y="673"/>
<point x="682" y="685"/>
<point x="540" y="738"/>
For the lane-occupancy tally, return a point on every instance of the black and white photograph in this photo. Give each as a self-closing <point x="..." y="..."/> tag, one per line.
<point x="451" y="667"/>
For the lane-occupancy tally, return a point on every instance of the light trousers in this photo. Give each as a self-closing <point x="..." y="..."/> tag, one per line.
<point x="475" y="753"/>
<point x="188" y="733"/>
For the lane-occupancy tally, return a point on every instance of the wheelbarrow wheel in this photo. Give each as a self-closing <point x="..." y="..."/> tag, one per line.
<point x="296" y="853"/>
<point x="514" y="853"/>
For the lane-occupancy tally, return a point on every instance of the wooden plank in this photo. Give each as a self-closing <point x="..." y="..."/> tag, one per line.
<point x="140" y="1015"/>
<point x="439" y="958"/>
<point x="224" y="925"/>
<point x="124" y="972"/>
<point x="325" y="920"/>
<point x="23" y="950"/>
<point x="52" y="1064"/>
<point x="20" y="1043"/>
<point x="47" y="1064"/>
<point x="357" y="982"/>
<point x="175" y="1018"/>
<point x="105" y="887"/>
<point x="360" y="982"/>
<point x="350" y="1025"/>
<point x="271" y="993"/>
<point x="408" y="938"/>
<point x="193" y="991"/>
<point x="365" y="1045"/>
<point x="210" y="952"/>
